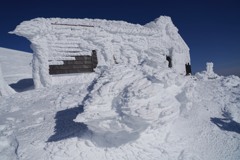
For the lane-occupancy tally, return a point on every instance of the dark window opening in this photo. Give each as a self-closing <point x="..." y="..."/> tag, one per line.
<point x="169" y="59"/>
<point x="81" y="64"/>
<point x="188" y="69"/>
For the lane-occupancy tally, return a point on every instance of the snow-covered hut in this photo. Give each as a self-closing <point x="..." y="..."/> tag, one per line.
<point x="56" y="41"/>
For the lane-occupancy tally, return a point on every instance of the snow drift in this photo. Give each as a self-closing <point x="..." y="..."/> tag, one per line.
<point x="5" y="90"/>
<point x="16" y="65"/>
<point x="128" y="99"/>
<point x="118" y="42"/>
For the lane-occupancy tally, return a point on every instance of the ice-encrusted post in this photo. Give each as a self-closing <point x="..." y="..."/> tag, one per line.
<point x="209" y="68"/>
<point x="37" y="31"/>
<point x="40" y="72"/>
<point x="209" y="71"/>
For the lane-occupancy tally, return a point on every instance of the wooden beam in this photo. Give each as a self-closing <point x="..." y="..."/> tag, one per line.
<point x="65" y="24"/>
<point x="62" y="67"/>
<point x="83" y="70"/>
<point x="70" y="62"/>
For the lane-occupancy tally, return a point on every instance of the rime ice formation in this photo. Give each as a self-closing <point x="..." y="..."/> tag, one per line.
<point x="5" y="90"/>
<point x="118" y="42"/>
<point x="209" y="70"/>
<point x="209" y="73"/>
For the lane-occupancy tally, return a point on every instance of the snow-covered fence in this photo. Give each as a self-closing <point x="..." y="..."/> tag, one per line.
<point x="65" y="24"/>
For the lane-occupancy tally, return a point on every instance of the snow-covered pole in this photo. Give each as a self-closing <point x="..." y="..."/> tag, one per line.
<point x="36" y="31"/>
<point x="210" y="73"/>
<point x="40" y="71"/>
<point x="209" y="68"/>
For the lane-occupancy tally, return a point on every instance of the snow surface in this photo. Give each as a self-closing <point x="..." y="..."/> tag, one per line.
<point x="5" y="90"/>
<point x="15" y="70"/>
<point x="126" y="112"/>
<point x="16" y="65"/>
<point x="119" y="42"/>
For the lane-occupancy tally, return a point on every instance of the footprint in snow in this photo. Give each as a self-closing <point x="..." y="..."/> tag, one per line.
<point x="11" y="119"/>
<point x="40" y="120"/>
<point x="37" y="112"/>
<point x="2" y="127"/>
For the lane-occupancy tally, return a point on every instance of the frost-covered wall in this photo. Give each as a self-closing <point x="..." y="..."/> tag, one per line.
<point x="116" y="42"/>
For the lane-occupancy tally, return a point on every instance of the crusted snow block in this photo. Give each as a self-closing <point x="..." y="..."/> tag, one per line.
<point x="5" y="90"/>
<point x="208" y="74"/>
<point x="209" y="71"/>
<point x="116" y="42"/>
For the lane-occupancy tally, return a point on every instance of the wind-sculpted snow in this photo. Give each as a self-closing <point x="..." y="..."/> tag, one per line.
<point x="125" y="97"/>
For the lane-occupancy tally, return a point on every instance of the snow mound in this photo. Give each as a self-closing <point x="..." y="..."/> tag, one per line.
<point x="16" y="69"/>
<point x="130" y="99"/>
<point x="232" y="83"/>
<point x="16" y="65"/>
<point x="5" y="90"/>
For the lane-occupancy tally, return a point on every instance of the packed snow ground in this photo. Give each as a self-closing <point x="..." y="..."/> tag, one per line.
<point x="193" y="117"/>
<point x="5" y="90"/>
<point x="16" y="65"/>
<point x="16" y="71"/>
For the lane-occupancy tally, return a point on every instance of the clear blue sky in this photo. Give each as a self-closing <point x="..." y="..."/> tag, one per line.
<point x="211" y="28"/>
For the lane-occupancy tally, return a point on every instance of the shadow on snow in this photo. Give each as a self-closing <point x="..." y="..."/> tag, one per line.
<point x="65" y="126"/>
<point x="23" y="85"/>
<point x="227" y="123"/>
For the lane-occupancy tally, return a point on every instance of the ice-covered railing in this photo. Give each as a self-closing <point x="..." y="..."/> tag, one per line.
<point x="56" y="39"/>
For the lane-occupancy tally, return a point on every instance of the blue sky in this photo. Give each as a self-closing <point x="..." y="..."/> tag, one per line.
<point x="211" y="28"/>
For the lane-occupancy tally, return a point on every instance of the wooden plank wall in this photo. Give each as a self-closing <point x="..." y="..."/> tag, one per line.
<point x="81" y="64"/>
